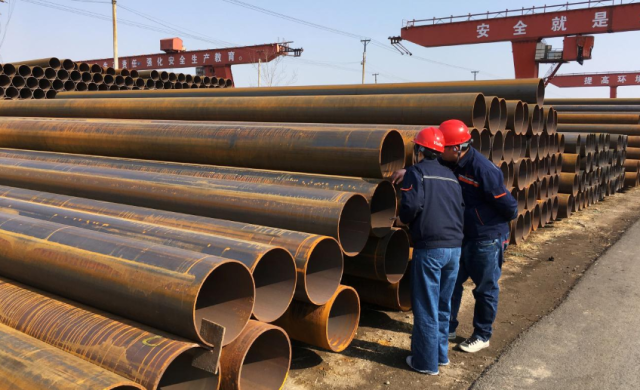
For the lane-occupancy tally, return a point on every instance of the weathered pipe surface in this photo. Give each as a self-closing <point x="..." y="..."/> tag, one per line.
<point x="168" y="288"/>
<point x="566" y="205"/>
<point x="383" y="259"/>
<point x="379" y="109"/>
<point x="151" y="359"/>
<point x="343" y="215"/>
<point x="52" y="62"/>
<point x="380" y="194"/>
<point x="515" y="116"/>
<point x="259" y="359"/>
<point x="493" y="119"/>
<point x="29" y="364"/>
<point x="358" y="151"/>
<point x="618" y="119"/>
<point x="503" y="114"/>
<point x="529" y="90"/>
<point x="517" y="230"/>
<point x="273" y="268"/>
<point x="331" y="326"/>
<point x="569" y="183"/>
<point x="571" y="163"/>
<point x="394" y="296"/>
<point x="318" y="258"/>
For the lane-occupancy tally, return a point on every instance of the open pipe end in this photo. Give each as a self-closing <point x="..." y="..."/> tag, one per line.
<point x="497" y="147"/>
<point x="503" y="115"/>
<point x="322" y="272"/>
<point x="396" y="255"/>
<point x="383" y="209"/>
<point x="275" y="280"/>
<point x="485" y="142"/>
<point x="535" y="218"/>
<point x="404" y="291"/>
<point x="258" y="360"/>
<point x="504" y="167"/>
<point x="479" y="112"/>
<point x="227" y="298"/>
<point x="527" y="224"/>
<point x="392" y="153"/>
<point x="507" y="145"/>
<point x="517" y="230"/>
<point x="540" y="92"/>
<point x="182" y="375"/>
<point x="344" y="316"/>
<point x="354" y="225"/>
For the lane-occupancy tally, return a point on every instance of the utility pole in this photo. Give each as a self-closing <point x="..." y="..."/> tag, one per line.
<point x="475" y="73"/>
<point x="376" y="77"/>
<point x="364" y="56"/>
<point x="116" y="63"/>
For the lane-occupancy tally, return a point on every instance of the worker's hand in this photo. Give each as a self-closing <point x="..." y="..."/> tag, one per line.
<point x="397" y="176"/>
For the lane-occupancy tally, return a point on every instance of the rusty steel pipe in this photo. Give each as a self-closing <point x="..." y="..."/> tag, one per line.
<point x="508" y="146"/>
<point x="9" y="69"/>
<point x="75" y="263"/>
<point x="533" y="147"/>
<point x="526" y="121"/>
<point x="5" y="81"/>
<point x="493" y="118"/>
<point x="554" y="208"/>
<point x="485" y="142"/>
<point x="631" y="179"/>
<point x="86" y="77"/>
<point x="378" y="109"/>
<point x="258" y="359"/>
<point x="39" y="94"/>
<point x="318" y="258"/>
<point x="616" y="142"/>
<point x="569" y="183"/>
<point x="573" y="143"/>
<point x="24" y="71"/>
<point x="515" y="116"/>
<point x="26" y="93"/>
<point x="544" y="213"/>
<point x="535" y="217"/>
<point x="383" y="259"/>
<point x="543" y="189"/>
<point x="601" y="109"/>
<point x="44" y="84"/>
<point x="31" y="83"/>
<point x="543" y="149"/>
<point x="528" y="223"/>
<point x="497" y="147"/>
<point x="355" y="151"/>
<point x="633" y="153"/>
<point x="550" y="118"/>
<point x="521" y="177"/>
<point x="380" y="194"/>
<point x="43" y="62"/>
<point x="517" y="230"/>
<point x="566" y="205"/>
<point x="18" y="81"/>
<point x="273" y="268"/>
<point x="342" y="215"/>
<point x="151" y="358"/>
<point x="504" y="168"/>
<point x="536" y="120"/>
<point x="530" y="90"/>
<point x="27" y="363"/>
<point x="50" y="74"/>
<point x="92" y="87"/>
<point x="520" y="197"/>
<point x="632" y="165"/>
<point x="58" y="85"/>
<point x="393" y="296"/>
<point x="531" y="195"/>
<point x="503" y="114"/>
<point x="331" y="326"/>
<point x="618" y="119"/>
<point x="11" y="93"/>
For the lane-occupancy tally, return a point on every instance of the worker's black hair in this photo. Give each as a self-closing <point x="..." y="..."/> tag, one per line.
<point x="429" y="154"/>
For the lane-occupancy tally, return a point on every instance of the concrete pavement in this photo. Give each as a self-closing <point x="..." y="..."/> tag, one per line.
<point x="591" y="341"/>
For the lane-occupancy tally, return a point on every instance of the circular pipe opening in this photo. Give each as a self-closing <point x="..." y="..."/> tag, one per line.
<point x="493" y="118"/>
<point x="322" y="272"/>
<point x="150" y="83"/>
<point x="63" y="86"/>
<point x="18" y="81"/>
<point x="168" y="85"/>
<point x="228" y="83"/>
<point x="139" y="82"/>
<point x="83" y="67"/>
<point x="24" y="71"/>
<point x="82" y="86"/>
<point x="62" y="75"/>
<point x="344" y="315"/>
<point x="226" y="298"/>
<point x="67" y="64"/>
<point x="181" y="77"/>
<point x="391" y="153"/>
<point x="497" y="147"/>
<point x="485" y="143"/>
<point x="95" y="68"/>
<point x="508" y="146"/>
<point x="39" y="94"/>
<point x="97" y="78"/>
<point x="92" y="87"/>
<point x="134" y="73"/>
<point x="181" y="375"/>
<point x="188" y="78"/>
<point x="543" y="149"/>
<point x="123" y="87"/>
<point x="103" y="87"/>
<point x="525" y="118"/>
<point x="266" y="363"/>
<point x="5" y="81"/>
<point x="535" y="218"/>
<point x="527" y="224"/>
<point x="9" y="69"/>
<point x="44" y="84"/>
<point x="12" y="93"/>
<point x="404" y="292"/>
<point x="173" y="77"/>
<point x="354" y="224"/>
<point x="164" y="76"/>
<point x="128" y="81"/>
<point x="275" y="280"/>
<point x="119" y="80"/>
<point x="540" y="92"/>
<point x="503" y="114"/>
<point x="86" y="77"/>
<point x="504" y="167"/>
<point x="478" y="113"/>
<point x="125" y="72"/>
<point x="517" y="230"/>
<point x="383" y="208"/>
<point x="177" y="86"/>
<point x="108" y="80"/>
<point x="114" y="88"/>
<point x="159" y="84"/>
<point x="26" y="93"/>
<point x="51" y="94"/>
<point x="396" y="255"/>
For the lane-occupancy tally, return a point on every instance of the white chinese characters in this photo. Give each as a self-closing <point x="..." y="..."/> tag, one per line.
<point x="600" y="19"/>
<point x="483" y="30"/>
<point x="558" y="23"/>
<point x="588" y="80"/>
<point x="520" y="28"/>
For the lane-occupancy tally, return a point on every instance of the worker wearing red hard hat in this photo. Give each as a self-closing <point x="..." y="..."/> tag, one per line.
<point x="489" y="207"/>
<point x="433" y="207"/>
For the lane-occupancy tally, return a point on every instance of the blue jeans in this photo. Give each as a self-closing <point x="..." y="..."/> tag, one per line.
<point x="433" y="275"/>
<point x="482" y="262"/>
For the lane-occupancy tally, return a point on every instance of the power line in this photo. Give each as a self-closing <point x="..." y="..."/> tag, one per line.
<point x="12" y="6"/>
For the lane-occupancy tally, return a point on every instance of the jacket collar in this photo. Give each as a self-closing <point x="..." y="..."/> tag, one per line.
<point x="467" y="157"/>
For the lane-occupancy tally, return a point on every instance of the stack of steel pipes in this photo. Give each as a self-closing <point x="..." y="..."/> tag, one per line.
<point x="44" y="78"/>
<point x="593" y="167"/>
<point x="618" y="118"/>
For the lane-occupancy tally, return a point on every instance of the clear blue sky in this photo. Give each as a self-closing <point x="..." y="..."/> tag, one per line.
<point x="35" y="31"/>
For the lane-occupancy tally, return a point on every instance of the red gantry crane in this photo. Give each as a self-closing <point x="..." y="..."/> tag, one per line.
<point x="213" y="62"/>
<point x="613" y="80"/>
<point x="525" y="28"/>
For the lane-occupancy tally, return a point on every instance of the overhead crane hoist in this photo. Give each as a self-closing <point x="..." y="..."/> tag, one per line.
<point x="213" y="62"/>
<point x="526" y="28"/>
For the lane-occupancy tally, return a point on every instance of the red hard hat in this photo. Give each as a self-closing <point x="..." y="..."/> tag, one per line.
<point x="455" y="132"/>
<point x="430" y="138"/>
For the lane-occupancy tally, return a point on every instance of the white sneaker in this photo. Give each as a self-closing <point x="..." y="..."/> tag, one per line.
<point x="410" y="359"/>
<point x="452" y="336"/>
<point x="473" y="345"/>
<point x="444" y="364"/>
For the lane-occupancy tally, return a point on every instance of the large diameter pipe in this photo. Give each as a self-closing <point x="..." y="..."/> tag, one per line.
<point x="493" y="119"/>
<point x="26" y="363"/>
<point x="52" y="62"/>
<point x="503" y="114"/>
<point x="383" y="259"/>
<point x="273" y="268"/>
<point x="380" y="194"/>
<point x="356" y="151"/>
<point x="331" y="326"/>
<point x="258" y="359"/>
<point x="168" y="288"/>
<point x="569" y="183"/>
<point x="379" y="109"/>
<point x="345" y="216"/>
<point x="318" y="258"/>
<point x="618" y="119"/>
<point x="151" y="358"/>
<point x="394" y="296"/>
<point x="515" y="116"/>
<point x="529" y="90"/>
<point x="566" y="205"/>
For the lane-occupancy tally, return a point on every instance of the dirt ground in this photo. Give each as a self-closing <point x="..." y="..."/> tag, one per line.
<point x="537" y="276"/>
